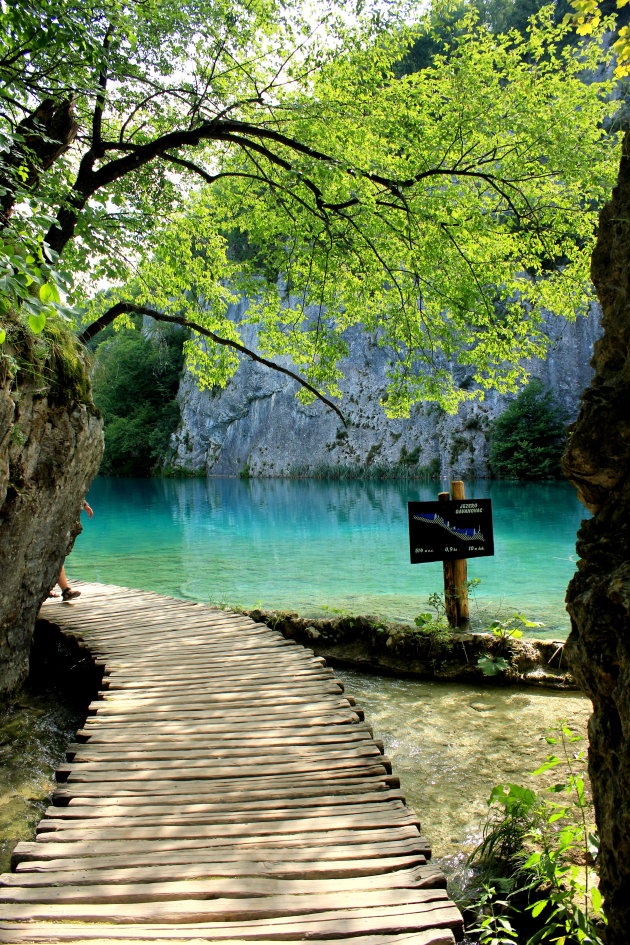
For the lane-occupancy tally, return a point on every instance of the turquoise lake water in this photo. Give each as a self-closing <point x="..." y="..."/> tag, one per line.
<point x="318" y="546"/>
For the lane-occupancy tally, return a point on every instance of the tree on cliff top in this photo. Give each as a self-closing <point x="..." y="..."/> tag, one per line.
<point x="442" y="210"/>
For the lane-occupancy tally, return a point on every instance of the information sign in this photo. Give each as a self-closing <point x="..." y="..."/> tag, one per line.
<point x="447" y="531"/>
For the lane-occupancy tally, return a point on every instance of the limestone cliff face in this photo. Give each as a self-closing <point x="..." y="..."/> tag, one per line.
<point x="597" y="460"/>
<point x="257" y="425"/>
<point x="49" y="453"/>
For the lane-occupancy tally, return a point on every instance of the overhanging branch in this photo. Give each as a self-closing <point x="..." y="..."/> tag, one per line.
<point x="122" y="308"/>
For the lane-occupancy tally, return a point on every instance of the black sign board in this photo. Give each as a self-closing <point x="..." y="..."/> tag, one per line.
<point x="444" y="531"/>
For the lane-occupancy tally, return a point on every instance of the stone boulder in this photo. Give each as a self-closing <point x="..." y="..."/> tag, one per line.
<point x="50" y="448"/>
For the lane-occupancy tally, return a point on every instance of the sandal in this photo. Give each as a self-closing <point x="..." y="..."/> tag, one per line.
<point x="68" y="594"/>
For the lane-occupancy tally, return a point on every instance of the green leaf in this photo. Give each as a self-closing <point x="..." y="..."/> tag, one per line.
<point x="48" y="293"/>
<point x="37" y="322"/>
<point x="3" y="335"/>
<point x="597" y="899"/>
<point x="538" y="907"/>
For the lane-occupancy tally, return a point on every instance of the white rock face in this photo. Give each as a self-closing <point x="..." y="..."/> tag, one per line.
<point x="257" y="426"/>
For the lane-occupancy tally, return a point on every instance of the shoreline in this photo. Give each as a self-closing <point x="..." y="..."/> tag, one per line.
<point x="376" y="646"/>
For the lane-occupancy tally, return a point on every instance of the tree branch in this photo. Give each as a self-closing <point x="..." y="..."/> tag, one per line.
<point x="128" y="308"/>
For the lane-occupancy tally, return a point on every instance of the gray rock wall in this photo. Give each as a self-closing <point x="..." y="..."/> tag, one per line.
<point x="49" y="453"/>
<point x="257" y="426"/>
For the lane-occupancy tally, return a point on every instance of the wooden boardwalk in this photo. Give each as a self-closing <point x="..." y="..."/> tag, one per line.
<point x="222" y="790"/>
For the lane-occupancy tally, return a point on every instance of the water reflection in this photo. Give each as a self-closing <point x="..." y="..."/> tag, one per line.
<point x="309" y="545"/>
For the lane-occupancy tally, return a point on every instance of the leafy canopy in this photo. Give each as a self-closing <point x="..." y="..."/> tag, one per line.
<point x="441" y="210"/>
<point x="588" y="19"/>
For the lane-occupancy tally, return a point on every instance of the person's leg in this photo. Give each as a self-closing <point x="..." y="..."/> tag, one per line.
<point x="66" y="591"/>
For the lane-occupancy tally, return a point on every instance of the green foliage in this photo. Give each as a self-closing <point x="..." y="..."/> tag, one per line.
<point x="526" y="441"/>
<point x="436" y="628"/>
<point x="445" y="20"/>
<point x="539" y="847"/>
<point x="135" y="383"/>
<point x="491" y="665"/>
<point x="50" y="360"/>
<point x="443" y="210"/>
<point x="512" y="627"/>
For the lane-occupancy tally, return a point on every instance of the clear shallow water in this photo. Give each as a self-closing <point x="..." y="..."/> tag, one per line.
<point x="450" y="744"/>
<point x="314" y="546"/>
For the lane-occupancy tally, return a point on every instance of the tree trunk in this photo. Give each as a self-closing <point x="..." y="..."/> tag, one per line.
<point x="597" y="461"/>
<point x="42" y="138"/>
<point x="50" y="449"/>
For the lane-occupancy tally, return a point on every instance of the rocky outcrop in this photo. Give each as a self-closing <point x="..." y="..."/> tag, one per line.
<point x="257" y="427"/>
<point x="369" y="644"/>
<point x="50" y="449"/>
<point x="598" y="462"/>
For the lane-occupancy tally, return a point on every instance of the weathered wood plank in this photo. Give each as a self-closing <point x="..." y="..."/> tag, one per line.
<point x="196" y="887"/>
<point x="274" y="862"/>
<point x="429" y="907"/>
<point x="338" y="871"/>
<point x="249" y="789"/>
<point x="141" y="935"/>
<point x="332" y="825"/>
<point x="284" y="848"/>
<point x="57" y="817"/>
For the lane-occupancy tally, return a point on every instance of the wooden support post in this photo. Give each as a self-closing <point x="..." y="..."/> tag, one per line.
<point x="450" y="597"/>
<point x="460" y="569"/>
<point x="456" y="573"/>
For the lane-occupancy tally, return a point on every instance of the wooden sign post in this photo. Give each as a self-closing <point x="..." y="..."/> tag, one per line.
<point x="451" y="530"/>
<point x="456" y="573"/>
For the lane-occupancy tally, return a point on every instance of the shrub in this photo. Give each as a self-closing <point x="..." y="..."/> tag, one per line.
<point x="527" y="440"/>
<point x="135" y="385"/>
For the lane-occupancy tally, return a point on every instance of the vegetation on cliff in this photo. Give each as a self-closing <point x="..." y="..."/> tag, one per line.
<point x="136" y="378"/>
<point x="527" y="440"/>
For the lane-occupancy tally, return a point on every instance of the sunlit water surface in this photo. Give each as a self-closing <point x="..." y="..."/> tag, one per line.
<point x="316" y="546"/>
<point x="450" y="744"/>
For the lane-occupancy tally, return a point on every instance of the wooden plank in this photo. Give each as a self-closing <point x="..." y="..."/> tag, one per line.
<point x="325" y="715"/>
<point x="329" y="724"/>
<point x="196" y="887"/>
<point x="140" y="935"/>
<point x="343" y="768"/>
<point x="173" y="816"/>
<point x="277" y="833"/>
<point x="429" y="901"/>
<point x="155" y="760"/>
<point x="233" y="806"/>
<point x="249" y="699"/>
<point x="333" y="825"/>
<point x="122" y="754"/>
<point x="144" y="852"/>
<point x="337" y="870"/>
<point x="229" y="862"/>
<point x="292" y="741"/>
<point x="288" y="786"/>
<point x="218" y="692"/>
